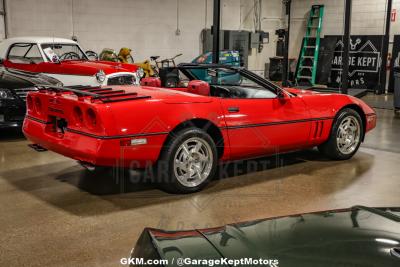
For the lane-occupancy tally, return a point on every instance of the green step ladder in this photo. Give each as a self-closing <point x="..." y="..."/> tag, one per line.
<point x="308" y="60"/>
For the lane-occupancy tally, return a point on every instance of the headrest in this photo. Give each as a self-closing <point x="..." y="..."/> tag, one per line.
<point x="151" y="81"/>
<point x="199" y="87"/>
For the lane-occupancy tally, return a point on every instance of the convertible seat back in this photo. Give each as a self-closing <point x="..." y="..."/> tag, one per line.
<point x="151" y="81"/>
<point x="199" y="87"/>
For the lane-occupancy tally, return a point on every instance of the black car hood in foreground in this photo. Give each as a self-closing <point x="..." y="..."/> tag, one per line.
<point x="359" y="236"/>
<point x="14" y="79"/>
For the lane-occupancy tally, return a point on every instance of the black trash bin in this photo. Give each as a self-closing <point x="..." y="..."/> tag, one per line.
<point x="396" y="96"/>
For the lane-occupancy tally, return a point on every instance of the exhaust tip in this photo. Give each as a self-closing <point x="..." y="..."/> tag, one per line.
<point x="88" y="166"/>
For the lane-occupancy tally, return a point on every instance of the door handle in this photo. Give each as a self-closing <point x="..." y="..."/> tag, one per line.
<point x="233" y="109"/>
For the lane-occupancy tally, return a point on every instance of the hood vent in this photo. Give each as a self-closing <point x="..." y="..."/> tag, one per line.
<point x="318" y="129"/>
<point x="103" y="94"/>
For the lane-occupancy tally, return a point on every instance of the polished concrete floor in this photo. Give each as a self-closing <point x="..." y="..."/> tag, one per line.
<point x="54" y="213"/>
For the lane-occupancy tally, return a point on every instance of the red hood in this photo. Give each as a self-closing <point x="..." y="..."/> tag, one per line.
<point x="92" y="67"/>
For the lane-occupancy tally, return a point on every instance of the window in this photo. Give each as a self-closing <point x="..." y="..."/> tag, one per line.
<point x="25" y="54"/>
<point x="63" y="52"/>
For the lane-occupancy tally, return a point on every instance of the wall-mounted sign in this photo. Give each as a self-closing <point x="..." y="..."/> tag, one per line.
<point x="395" y="62"/>
<point x="364" y="61"/>
<point x="393" y="15"/>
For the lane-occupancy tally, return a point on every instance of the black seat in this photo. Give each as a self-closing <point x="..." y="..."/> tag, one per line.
<point x="154" y="57"/>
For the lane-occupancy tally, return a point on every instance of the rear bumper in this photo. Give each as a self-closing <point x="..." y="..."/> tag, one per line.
<point x="12" y="113"/>
<point x="98" y="151"/>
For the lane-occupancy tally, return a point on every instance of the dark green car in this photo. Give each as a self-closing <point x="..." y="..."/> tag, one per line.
<point x="359" y="236"/>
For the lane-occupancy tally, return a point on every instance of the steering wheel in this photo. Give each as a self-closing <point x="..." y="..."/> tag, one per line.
<point x="92" y="55"/>
<point x="70" y="55"/>
<point x="221" y="91"/>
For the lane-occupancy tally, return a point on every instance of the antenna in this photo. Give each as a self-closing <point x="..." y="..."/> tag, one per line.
<point x="72" y="18"/>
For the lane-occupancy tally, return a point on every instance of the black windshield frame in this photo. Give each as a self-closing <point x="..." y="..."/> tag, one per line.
<point x="84" y="57"/>
<point x="185" y="69"/>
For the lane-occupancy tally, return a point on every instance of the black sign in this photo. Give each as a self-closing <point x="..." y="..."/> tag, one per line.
<point x="395" y="62"/>
<point x="364" y="62"/>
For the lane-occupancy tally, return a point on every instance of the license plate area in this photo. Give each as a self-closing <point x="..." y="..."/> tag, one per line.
<point x="57" y="126"/>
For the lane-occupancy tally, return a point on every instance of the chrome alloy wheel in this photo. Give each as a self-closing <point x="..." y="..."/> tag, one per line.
<point x="348" y="135"/>
<point x="193" y="162"/>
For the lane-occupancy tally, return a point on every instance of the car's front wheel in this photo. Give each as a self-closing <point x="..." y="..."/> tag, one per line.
<point x="346" y="136"/>
<point x="188" y="161"/>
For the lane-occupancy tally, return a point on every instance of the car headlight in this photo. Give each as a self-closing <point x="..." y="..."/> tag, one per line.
<point x="140" y="72"/>
<point x="6" y="94"/>
<point x="100" y="76"/>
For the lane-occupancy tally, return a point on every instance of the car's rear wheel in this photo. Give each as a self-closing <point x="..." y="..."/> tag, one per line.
<point x="188" y="162"/>
<point x="345" y="137"/>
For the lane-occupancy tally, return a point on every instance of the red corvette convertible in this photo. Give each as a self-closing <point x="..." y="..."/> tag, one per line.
<point x="184" y="132"/>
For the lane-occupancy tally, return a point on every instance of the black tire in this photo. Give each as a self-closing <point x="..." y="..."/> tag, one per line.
<point x="331" y="147"/>
<point x="165" y="170"/>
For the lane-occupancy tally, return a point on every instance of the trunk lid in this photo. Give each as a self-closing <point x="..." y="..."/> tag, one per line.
<point x="96" y="110"/>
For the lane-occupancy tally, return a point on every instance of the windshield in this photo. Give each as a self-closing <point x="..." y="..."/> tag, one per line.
<point x="223" y="76"/>
<point x="63" y="52"/>
<point x="233" y="83"/>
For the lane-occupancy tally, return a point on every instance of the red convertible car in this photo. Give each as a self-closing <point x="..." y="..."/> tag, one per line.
<point x="184" y="132"/>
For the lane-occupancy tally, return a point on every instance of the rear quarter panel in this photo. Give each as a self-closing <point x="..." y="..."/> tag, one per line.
<point x="152" y="116"/>
<point x="155" y="116"/>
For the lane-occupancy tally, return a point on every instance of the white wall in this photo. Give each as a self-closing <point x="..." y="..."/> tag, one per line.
<point x="2" y="26"/>
<point x="238" y="15"/>
<point x="146" y="26"/>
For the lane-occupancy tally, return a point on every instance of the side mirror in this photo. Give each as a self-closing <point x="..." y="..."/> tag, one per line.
<point x="282" y="95"/>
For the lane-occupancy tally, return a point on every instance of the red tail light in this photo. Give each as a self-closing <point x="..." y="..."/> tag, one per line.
<point x="91" y="118"/>
<point x="29" y="103"/>
<point x="78" y="116"/>
<point x="37" y="105"/>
